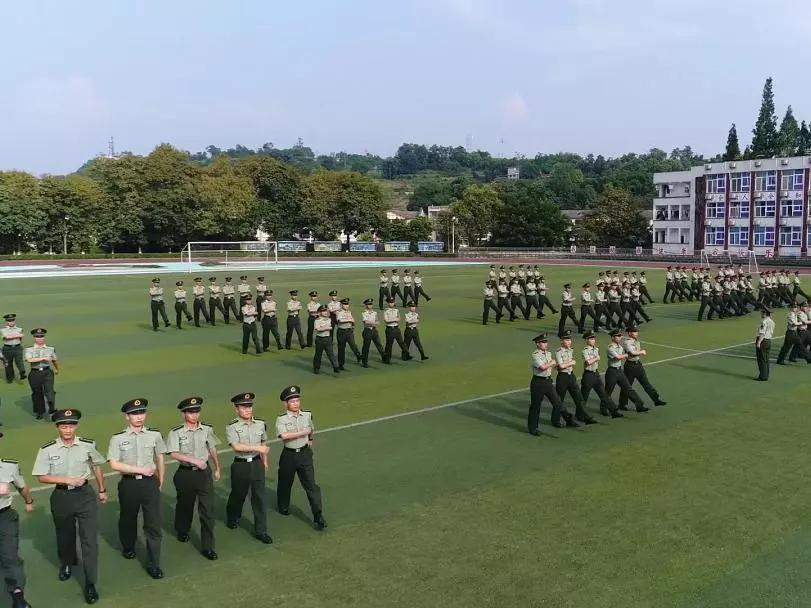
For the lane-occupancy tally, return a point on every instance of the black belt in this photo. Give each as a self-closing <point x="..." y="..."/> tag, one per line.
<point x="634" y="362"/>
<point x="40" y="369"/>
<point x="133" y="476"/>
<point x="297" y="450"/>
<point x="543" y="378"/>
<point x="63" y="486"/>
<point x="245" y="459"/>
<point x="191" y="467"/>
<point x="4" y="509"/>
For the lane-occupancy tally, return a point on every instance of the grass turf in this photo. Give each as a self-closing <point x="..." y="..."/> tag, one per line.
<point x="700" y="503"/>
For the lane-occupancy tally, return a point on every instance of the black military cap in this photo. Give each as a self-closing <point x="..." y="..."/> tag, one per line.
<point x="289" y="392"/>
<point x="394" y="270"/>
<point x="196" y="279"/>
<point x="615" y="333"/>
<point x="670" y="267"/>
<point x="390" y="300"/>
<point x="540" y="338"/>
<point x="212" y="279"/>
<point x="599" y="274"/>
<point x="244" y="277"/>
<point x="794" y="304"/>
<point x="293" y="292"/>
<point x="766" y="310"/>
<point x="333" y="293"/>
<point x="501" y="267"/>
<point x="416" y="272"/>
<point x="643" y="272"/>
<point x="588" y="335"/>
<point x="345" y="301"/>
<point x="227" y="278"/>
<point x="369" y="301"/>
<point x="269" y="292"/>
<point x="626" y="272"/>
<point x="586" y="285"/>
<point x="135" y="406"/>
<point x="247" y="297"/>
<point x="634" y="272"/>
<point x="567" y="286"/>
<point x="406" y="271"/>
<point x="384" y="271"/>
<point x="565" y="334"/>
<point x="66" y="416"/>
<point x="10" y="316"/>
<point x="323" y="307"/>
<point x="39" y="332"/>
<point x="410" y="304"/>
<point x="313" y="294"/>
<point x="632" y="328"/>
<point x="511" y="267"/>
<point x="156" y="280"/>
<point x="190" y="404"/>
<point x="260" y="278"/>
<point x="243" y="399"/>
<point x="541" y="277"/>
<point x="178" y="283"/>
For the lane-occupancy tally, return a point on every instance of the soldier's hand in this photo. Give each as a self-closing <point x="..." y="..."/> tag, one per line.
<point x="202" y="464"/>
<point x="76" y="481"/>
<point x="644" y="352"/>
<point x="103" y="498"/>
<point x="217" y="475"/>
<point x="29" y="507"/>
<point x="147" y="471"/>
<point x="264" y="449"/>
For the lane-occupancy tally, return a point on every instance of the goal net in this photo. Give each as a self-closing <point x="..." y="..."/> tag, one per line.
<point x="248" y="254"/>
<point x="719" y="256"/>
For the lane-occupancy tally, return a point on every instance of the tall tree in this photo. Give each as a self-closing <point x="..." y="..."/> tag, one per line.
<point x="733" y="151"/>
<point x="528" y="218"/>
<point x="804" y="145"/>
<point x="342" y="202"/>
<point x="475" y="212"/>
<point x="764" y="140"/>
<point x="788" y="139"/>
<point x="22" y="212"/>
<point x="617" y="221"/>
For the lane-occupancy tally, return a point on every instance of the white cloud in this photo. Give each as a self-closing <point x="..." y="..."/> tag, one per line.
<point x="514" y="107"/>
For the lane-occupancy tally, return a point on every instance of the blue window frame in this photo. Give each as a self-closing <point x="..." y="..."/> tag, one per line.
<point x="739" y="235"/>
<point x="764" y="236"/>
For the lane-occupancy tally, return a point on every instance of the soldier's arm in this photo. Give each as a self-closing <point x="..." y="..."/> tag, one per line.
<point x="160" y="459"/>
<point x="244" y="447"/>
<point x="173" y="449"/>
<point x="117" y="465"/>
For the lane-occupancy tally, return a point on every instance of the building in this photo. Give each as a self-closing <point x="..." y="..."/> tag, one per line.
<point x="513" y="173"/>
<point x="737" y="206"/>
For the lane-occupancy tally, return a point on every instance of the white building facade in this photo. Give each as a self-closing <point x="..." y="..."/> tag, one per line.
<point x="737" y="206"/>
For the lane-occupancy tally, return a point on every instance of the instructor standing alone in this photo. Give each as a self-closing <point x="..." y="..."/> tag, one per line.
<point x="763" y="343"/>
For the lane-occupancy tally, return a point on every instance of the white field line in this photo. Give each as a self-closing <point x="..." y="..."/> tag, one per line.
<point x="690" y="350"/>
<point x="443" y="406"/>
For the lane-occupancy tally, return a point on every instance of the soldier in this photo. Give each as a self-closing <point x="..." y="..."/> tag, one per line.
<point x="511" y="274"/>
<point x="706" y="300"/>
<point x="531" y="298"/>
<point x="521" y="275"/>
<point x="614" y="309"/>
<point x="541" y="386"/>
<point x="261" y="290"/>
<point x="628" y="313"/>
<point x="10" y="560"/>
<point x="587" y="309"/>
<point x="504" y="299"/>
<point x="695" y="287"/>
<point x="591" y="378"/>
<point x="797" y="288"/>
<point x="157" y="305"/>
<point x="229" y="301"/>
<point x="214" y="301"/>
<point x="408" y="289"/>
<point x="634" y="370"/>
<point x="293" y="321"/>
<point x="67" y="463"/>
<point x="792" y="339"/>
<point x="502" y="274"/>
<point x="249" y="330"/>
<point x="643" y="286"/>
<point x="395" y="285"/>
<point x="489" y="293"/>
<point x="391" y="317"/>
<point x="566" y="312"/>
<point x="199" y="302"/>
<point x="13" y="348"/>
<point x="312" y="314"/>
<point x="600" y="308"/>
<point x="412" y="319"/>
<point x="615" y="374"/>
<point x="418" y="289"/>
<point x="243" y="289"/>
<point x="542" y="298"/>
<point x="295" y="430"/>
<point x="323" y="340"/>
<point x="566" y="381"/>
<point x="346" y="334"/>
<point x="192" y="445"/>
<point x="44" y="364"/>
<point x="270" y="322"/>
<point x="670" y="289"/>
<point x="515" y="298"/>
<point x="636" y="304"/>
<point x="763" y="343"/>
<point x="491" y="274"/>
<point x="248" y="437"/>
<point x="333" y="305"/>
<point x="180" y="305"/>
<point x="370" y="333"/>
<point x="383" y="291"/>
<point x="137" y="453"/>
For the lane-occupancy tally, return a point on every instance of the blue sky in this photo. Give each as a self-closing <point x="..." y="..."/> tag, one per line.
<point x="570" y="75"/>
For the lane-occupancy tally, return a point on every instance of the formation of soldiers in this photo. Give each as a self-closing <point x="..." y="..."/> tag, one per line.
<point x="73" y="466"/>
<point x="255" y="306"/>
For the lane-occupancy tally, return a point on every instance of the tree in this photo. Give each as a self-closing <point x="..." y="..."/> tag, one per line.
<point x="430" y="190"/>
<point x="475" y="212"/>
<point x="22" y="212"/>
<point x="733" y="151"/>
<point x="804" y="145"/>
<point x="75" y="207"/>
<point x="617" y="221"/>
<point x="342" y="202"/>
<point x="788" y="139"/>
<point x="528" y="219"/>
<point x="764" y="141"/>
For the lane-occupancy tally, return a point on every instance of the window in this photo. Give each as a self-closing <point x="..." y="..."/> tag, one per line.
<point x="714" y="235"/>
<point x="715" y="210"/>
<point x="661" y="213"/>
<point x="739" y="235"/>
<point x="765" y="181"/>
<point x="740" y="182"/>
<point x="791" y="236"/>
<point x="791" y="208"/>
<point x="739" y="210"/>
<point x="764" y="236"/>
<point x="792" y="180"/>
<point x="765" y="208"/>
<point x="687" y="189"/>
<point x="716" y="184"/>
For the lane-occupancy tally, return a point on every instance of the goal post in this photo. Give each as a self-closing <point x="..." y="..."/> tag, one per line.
<point x="260" y="254"/>
<point x="715" y="256"/>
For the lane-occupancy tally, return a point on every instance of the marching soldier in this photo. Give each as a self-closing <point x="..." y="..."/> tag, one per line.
<point x="615" y="374"/>
<point x="193" y="444"/>
<point x="391" y="317"/>
<point x="515" y="298"/>
<point x="395" y="285"/>
<point x="418" y="289"/>
<point x="270" y="322"/>
<point x="229" y="301"/>
<point x="521" y="275"/>
<point x="614" y="308"/>
<point x="504" y="300"/>
<point x="137" y="453"/>
<point x="412" y="319"/>
<point x="44" y="364"/>
<point x="383" y="291"/>
<point x="67" y="463"/>
<point x="408" y="289"/>
<point x="763" y="343"/>
<point x="491" y="274"/>
<point x="295" y="429"/>
<point x="591" y="378"/>
<point x="566" y="381"/>
<point x="370" y="333"/>
<point x="312" y="314"/>
<point x="323" y="340"/>
<point x="531" y="298"/>
<point x="634" y="370"/>
<point x="706" y="300"/>
<point x="670" y="288"/>
<point x="566" y="312"/>
<point x="643" y="287"/>
<point x="10" y="560"/>
<point x="542" y="298"/>
<point x="502" y="274"/>
<point x="293" y="321"/>
<point x="12" y="348"/>
<point x="600" y="308"/>
<point x="261" y="290"/>
<point x="214" y="301"/>
<point x="628" y="313"/>
<point x="199" y="301"/>
<point x="511" y="274"/>
<point x="587" y="309"/>
<point x="180" y="305"/>
<point x="792" y="340"/>
<point x="346" y="334"/>
<point x="249" y="330"/>
<point x="333" y="305"/>
<point x="489" y="293"/>
<point x="797" y="289"/>
<point x="243" y="290"/>
<point x="247" y="436"/>
<point x="636" y="304"/>
<point x="157" y="305"/>
<point x="542" y="386"/>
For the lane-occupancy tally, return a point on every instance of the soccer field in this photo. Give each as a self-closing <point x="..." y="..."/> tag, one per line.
<point x="434" y="492"/>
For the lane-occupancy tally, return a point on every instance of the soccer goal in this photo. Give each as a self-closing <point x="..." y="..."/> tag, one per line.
<point x="710" y="257"/>
<point x="248" y="254"/>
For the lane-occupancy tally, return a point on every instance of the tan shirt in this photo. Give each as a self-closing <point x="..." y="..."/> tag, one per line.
<point x="136" y="448"/>
<point x="192" y="441"/>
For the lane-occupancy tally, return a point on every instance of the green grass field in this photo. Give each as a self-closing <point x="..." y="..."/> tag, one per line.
<point x="701" y="503"/>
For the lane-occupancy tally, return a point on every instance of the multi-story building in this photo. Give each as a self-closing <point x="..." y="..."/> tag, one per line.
<point x="738" y="206"/>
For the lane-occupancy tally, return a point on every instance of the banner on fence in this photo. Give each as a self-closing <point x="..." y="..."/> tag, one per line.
<point x="639" y="251"/>
<point x="573" y="249"/>
<point x="431" y="246"/>
<point x="612" y="250"/>
<point x="292" y="245"/>
<point x="327" y="246"/>
<point x="397" y="246"/>
<point x="362" y="246"/>
<point x="593" y="249"/>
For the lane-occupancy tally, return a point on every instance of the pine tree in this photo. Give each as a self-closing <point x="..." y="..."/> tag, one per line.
<point x="764" y="142"/>
<point x="804" y="146"/>
<point x="747" y="153"/>
<point x="788" y="140"/>
<point x="733" y="151"/>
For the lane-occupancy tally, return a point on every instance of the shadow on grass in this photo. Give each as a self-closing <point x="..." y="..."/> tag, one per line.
<point x="718" y="372"/>
<point x="146" y="326"/>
